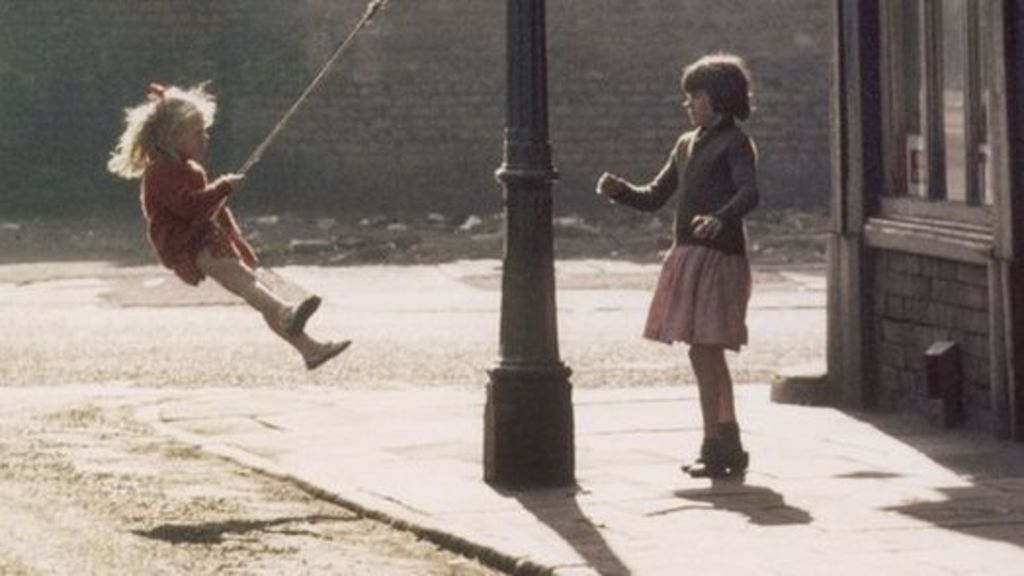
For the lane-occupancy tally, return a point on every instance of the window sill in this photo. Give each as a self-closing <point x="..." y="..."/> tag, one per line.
<point x="937" y="238"/>
<point x="938" y="210"/>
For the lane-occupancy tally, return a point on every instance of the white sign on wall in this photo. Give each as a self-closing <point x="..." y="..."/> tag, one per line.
<point x="985" y="173"/>
<point x="917" y="166"/>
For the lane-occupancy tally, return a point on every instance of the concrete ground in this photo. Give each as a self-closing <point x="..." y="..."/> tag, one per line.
<point x="393" y="428"/>
<point x="827" y="492"/>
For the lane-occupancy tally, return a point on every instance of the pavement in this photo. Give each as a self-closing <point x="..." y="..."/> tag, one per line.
<point x="827" y="492"/>
<point x="398" y="437"/>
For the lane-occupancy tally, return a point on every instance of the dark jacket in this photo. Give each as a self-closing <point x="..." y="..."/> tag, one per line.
<point x="715" y="172"/>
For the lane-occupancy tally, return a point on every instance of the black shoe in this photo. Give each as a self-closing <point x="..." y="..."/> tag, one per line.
<point x="711" y="463"/>
<point x="736" y="462"/>
<point x="733" y="455"/>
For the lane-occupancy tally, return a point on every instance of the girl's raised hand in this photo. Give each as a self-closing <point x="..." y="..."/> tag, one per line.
<point x="609" y="185"/>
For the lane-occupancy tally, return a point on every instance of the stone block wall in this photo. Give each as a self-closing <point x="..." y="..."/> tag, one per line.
<point x="920" y="300"/>
<point x="412" y="118"/>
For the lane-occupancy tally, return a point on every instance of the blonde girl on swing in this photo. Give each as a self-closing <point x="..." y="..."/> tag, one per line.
<point x="189" y="224"/>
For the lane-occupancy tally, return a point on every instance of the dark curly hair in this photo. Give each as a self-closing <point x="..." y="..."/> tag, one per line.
<point x="726" y="79"/>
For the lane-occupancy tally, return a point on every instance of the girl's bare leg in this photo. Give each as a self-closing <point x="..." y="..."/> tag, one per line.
<point x="239" y="279"/>
<point x="726" y="398"/>
<point x="721" y="452"/>
<point x="705" y="368"/>
<point x="731" y="454"/>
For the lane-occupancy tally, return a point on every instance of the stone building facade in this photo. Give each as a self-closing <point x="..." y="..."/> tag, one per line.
<point x="926" y="285"/>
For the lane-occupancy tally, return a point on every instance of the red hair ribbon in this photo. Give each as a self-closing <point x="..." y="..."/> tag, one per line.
<point x="155" y="91"/>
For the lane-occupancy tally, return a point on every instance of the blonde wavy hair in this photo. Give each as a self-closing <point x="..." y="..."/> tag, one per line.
<point x="153" y="127"/>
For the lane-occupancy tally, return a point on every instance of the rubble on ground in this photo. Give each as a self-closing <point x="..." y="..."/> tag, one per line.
<point x="775" y="237"/>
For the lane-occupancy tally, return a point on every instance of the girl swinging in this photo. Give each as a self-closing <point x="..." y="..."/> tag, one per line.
<point x="189" y="224"/>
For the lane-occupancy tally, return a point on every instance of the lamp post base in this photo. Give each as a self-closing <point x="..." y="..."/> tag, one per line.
<point x="528" y="427"/>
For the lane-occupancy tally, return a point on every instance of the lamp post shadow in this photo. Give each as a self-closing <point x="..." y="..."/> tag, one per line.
<point x="559" y="510"/>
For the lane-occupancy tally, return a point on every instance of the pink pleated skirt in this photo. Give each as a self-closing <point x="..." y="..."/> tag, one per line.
<point x="701" y="298"/>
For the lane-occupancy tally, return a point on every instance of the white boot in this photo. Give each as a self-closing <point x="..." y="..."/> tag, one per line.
<point x="293" y="318"/>
<point x="324" y="352"/>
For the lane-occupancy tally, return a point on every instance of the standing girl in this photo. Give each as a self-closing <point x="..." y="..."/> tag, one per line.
<point x="188" y="222"/>
<point x="704" y="286"/>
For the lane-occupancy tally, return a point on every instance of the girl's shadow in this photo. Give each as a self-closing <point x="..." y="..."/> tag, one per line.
<point x="762" y="506"/>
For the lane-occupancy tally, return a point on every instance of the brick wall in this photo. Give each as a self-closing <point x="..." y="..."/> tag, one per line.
<point x="412" y="119"/>
<point x="921" y="300"/>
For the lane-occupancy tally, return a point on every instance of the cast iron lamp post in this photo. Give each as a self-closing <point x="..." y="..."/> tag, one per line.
<point x="528" y="421"/>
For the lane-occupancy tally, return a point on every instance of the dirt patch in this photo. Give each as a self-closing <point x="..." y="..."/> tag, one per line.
<point x="88" y="490"/>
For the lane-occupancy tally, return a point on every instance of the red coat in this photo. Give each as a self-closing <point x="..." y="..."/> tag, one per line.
<point x="185" y="213"/>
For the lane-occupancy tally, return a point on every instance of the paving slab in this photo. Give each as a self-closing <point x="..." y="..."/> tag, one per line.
<point x="828" y="491"/>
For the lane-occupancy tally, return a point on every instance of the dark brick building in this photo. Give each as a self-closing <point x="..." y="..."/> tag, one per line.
<point x="412" y="118"/>
<point x="928" y="211"/>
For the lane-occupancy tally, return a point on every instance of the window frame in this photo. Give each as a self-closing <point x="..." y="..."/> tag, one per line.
<point x="895" y="200"/>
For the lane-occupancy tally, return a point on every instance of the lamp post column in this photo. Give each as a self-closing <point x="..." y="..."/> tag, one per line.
<point x="528" y="422"/>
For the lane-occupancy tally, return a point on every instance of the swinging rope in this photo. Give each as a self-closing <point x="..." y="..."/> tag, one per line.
<point x="371" y="9"/>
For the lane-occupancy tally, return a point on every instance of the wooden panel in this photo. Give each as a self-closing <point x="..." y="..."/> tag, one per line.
<point x="893" y="207"/>
<point x="1011" y="210"/>
<point x="940" y="240"/>
<point x="859" y="166"/>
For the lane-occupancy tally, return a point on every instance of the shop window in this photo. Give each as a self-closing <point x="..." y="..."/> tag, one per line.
<point x="983" y="103"/>
<point x="938" y="78"/>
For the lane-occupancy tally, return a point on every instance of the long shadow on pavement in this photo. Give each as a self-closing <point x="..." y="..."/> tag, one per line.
<point x="762" y="506"/>
<point x="560" y="511"/>
<point x="990" y="502"/>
